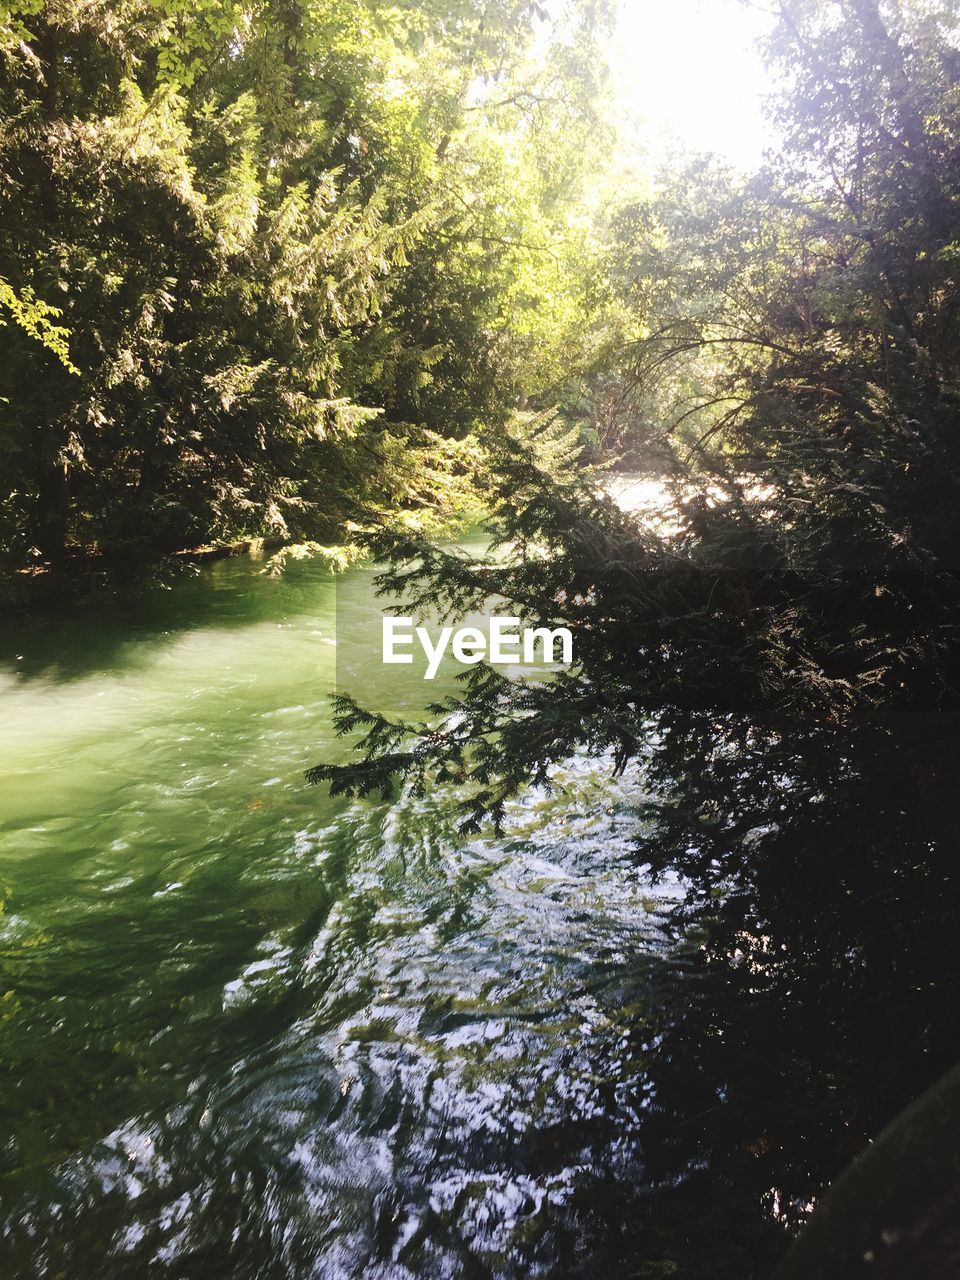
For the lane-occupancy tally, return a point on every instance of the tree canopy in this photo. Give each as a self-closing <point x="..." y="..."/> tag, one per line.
<point x="300" y="253"/>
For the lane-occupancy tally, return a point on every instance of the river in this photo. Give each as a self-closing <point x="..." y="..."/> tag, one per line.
<point x="250" y="1031"/>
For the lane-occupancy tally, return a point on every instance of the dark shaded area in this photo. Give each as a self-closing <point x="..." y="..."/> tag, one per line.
<point x="66" y="639"/>
<point x="895" y="1213"/>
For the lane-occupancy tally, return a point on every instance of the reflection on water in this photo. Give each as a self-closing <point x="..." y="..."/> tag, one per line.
<point x="250" y="1031"/>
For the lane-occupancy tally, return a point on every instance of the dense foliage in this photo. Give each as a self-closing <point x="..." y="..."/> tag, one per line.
<point x="298" y="252"/>
<point x="781" y="657"/>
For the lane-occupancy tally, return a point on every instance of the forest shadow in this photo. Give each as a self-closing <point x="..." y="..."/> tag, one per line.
<point x="119" y="630"/>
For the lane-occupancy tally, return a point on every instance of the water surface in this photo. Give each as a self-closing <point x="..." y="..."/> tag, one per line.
<point x="246" y="1030"/>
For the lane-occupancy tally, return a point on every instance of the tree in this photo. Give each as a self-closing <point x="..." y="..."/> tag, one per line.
<point x="237" y="209"/>
<point x="784" y="667"/>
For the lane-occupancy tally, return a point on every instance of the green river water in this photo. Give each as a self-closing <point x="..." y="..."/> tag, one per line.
<point x="249" y="1031"/>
